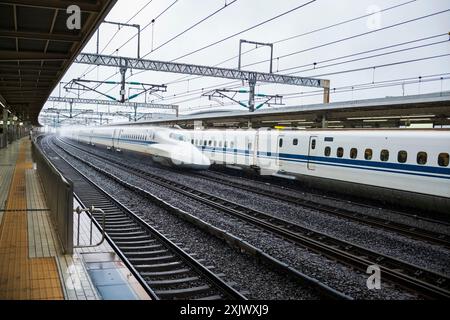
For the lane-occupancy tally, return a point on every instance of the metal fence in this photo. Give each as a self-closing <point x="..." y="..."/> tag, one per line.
<point x="3" y="141"/>
<point x="59" y="195"/>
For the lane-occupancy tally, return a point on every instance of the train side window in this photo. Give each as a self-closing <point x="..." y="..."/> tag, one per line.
<point x="353" y="153"/>
<point x="280" y="143"/>
<point x="209" y="143"/>
<point x="313" y="144"/>
<point x="384" y="155"/>
<point x="250" y="146"/>
<point x="422" y="157"/>
<point x="368" y="154"/>
<point x="340" y="152"/>
<point x="225" y="144"/>
<point x="402" y="156"/>
<point x="205" y="142"/>
<point x="327" y="151"/>
<point x="192" y="141"/>
<point x="220" y="144"/>
<point x="232" y="144"/>
<point x="443" y="159"/>
<point x="295" y="142"/>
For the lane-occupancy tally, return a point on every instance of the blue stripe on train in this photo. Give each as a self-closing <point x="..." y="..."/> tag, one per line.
<point x="346" y="163"/>
<point x="337" y="162"/>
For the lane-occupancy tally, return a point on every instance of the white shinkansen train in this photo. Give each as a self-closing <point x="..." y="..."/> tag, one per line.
<point x="404" y="166"/>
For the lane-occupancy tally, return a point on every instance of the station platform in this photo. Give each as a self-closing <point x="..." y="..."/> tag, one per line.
<point x="32" y="263"/>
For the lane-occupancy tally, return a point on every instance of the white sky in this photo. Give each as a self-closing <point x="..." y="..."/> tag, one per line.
<point x="245" y="13"/>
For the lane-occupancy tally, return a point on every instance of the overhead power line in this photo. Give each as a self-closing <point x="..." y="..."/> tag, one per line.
<point x="317" y="66"/>
<point x="243" y="31"/>
<point x="135" y="35"/>
<point x="382" y="65"/>
<point x="86" y="72"/>
<point x="185" y="78"/>
<point x="350" y="88"/>
<point x="351" y="37"/>
<point x="191" y="27"/>
<point x="234" y="83"/>
<point x="183" y="32"/>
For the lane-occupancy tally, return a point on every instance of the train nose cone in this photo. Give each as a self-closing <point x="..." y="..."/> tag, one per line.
<point x="201" y="163"/>
<point x="190" y="159"/>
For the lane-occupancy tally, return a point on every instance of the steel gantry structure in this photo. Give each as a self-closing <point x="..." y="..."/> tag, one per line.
<point x="252" y="77"/>
<point x="56" y="116"/>
<point x="134" y="105"/>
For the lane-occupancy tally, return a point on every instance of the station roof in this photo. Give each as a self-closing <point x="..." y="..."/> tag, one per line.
<point x="37" y="48"/>
<point x="383" y="112"/>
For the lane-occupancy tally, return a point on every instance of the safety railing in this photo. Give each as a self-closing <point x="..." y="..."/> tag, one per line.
<point x="89" y="211"/>
<point x="59" y="195"/>
<point x="3" y="141"/>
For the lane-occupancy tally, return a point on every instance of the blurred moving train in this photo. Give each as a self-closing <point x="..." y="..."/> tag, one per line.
<point x="408" y="167"/>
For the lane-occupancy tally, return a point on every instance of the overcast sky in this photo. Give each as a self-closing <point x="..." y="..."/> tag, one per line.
<point x="243" y="14"/>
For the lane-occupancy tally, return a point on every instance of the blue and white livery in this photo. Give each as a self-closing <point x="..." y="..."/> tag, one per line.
<point x="409" y="167"/>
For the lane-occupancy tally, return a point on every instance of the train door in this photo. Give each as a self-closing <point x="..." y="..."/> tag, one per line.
<point x="116" y="139"/>
<point x="312" y="152"/>
<point x="234" y="146"/>
<point x="280" y="146"/>
<point x="249" y="148"/>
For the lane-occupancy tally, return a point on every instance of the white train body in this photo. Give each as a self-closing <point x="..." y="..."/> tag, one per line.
<point x="408" y="167"/>
<point x="165" y="146"/>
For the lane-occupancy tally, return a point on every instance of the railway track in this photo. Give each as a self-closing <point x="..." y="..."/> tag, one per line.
<point x="422" y="281"/>
<point x="168" y="271"/>
<point x="400" y="228"/>
<point x="220" y="171"/>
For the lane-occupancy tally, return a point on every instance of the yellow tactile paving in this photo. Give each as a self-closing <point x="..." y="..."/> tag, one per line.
<point x="20" y="276"/>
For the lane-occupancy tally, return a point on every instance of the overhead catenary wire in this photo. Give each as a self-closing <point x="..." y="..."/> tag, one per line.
<point x="190" y="28"/>
<point x="357" y="69"/>
<point x="317" y="66"/>
<point x="245" y="30"/>
<point x="183" y="32"/>
<point x="86" y="72"/>
<point x="381" y="65"/>
<point x="151" y="22"/>
<point x="349" y="88"/>
<point x="352" y="37"/>
<point x="342" y="71"/>
<point x="185" y="78"/>
<point x="238" y="33"/>
<point x="193" y="92"/>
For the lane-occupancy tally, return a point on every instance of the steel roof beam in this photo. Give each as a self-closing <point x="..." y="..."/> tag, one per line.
<point x="40" y="36"/>
<point x="183" y="68"/>
<point x="114" y="103"/>
<point x="56" y="4"/>
<point x="10" y="55"/>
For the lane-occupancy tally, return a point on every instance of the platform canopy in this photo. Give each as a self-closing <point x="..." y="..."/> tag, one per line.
<point x="37" y="48"/>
